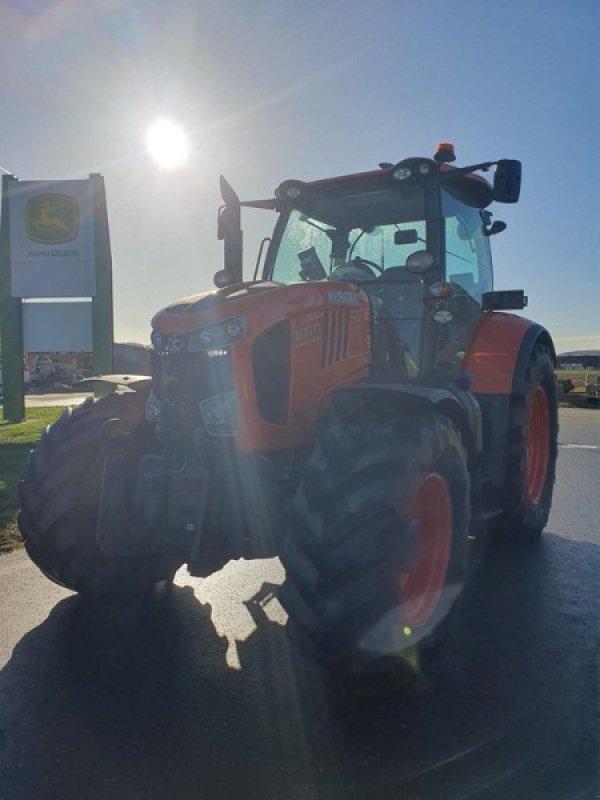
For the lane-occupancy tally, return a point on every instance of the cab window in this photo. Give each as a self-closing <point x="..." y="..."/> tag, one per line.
<point x="382" y="245"/>
<point x="301" y="234"/>
<point x="468" y="259"/>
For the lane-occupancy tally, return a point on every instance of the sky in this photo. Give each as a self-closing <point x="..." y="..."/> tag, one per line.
<point x="276" y="89"/>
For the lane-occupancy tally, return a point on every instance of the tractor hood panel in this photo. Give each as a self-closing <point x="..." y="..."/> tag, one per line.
<point x="266" y="300"/>
<point x="271" y="352"/>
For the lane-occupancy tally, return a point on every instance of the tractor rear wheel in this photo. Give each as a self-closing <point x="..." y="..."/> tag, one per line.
<point x="376" y="552"/>
<point x="532" y="453"/>
<point x="60" y="496"/>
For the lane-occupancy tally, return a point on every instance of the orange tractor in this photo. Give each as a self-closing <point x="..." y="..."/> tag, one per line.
<point x="366" y="410"/>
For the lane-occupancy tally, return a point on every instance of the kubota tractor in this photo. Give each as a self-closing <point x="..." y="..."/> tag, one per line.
<point x="366" y="410"/>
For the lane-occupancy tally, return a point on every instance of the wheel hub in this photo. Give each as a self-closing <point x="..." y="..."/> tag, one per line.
<point x="538" y="445"/>
<point x="431" y="508"/>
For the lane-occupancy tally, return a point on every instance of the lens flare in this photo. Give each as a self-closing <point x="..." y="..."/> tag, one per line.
<point x="167" y="143"/>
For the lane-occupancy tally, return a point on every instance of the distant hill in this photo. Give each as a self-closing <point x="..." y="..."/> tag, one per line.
<point x="579" y="353"/>
<point x="131" y="358"/>
<point x="579" y="359"/>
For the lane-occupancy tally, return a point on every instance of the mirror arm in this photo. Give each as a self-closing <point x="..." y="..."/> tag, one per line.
<point x="459" y="172"/>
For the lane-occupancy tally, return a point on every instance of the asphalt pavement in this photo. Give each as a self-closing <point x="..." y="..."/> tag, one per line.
<point x="207" y="698"/>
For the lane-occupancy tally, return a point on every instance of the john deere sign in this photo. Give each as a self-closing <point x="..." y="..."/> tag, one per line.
<point x="54" y="243"/>
<point x="52" y="239"/>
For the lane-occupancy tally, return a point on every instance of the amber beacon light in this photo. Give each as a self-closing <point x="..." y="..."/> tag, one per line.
<point x="444" y="153"/>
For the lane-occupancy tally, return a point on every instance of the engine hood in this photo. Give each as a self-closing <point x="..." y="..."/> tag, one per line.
<point x="277" y="348"/>
<point x="188" y="312"/>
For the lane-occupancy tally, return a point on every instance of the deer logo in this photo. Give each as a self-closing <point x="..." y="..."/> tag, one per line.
<point x="52" y="218"/>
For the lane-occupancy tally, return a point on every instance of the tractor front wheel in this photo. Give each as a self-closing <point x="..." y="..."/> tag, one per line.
<point x="376" y="553"/>
<point x="60" y="497"/>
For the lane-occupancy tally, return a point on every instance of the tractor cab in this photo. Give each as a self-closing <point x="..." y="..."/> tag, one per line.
<point x="414" y="236"/>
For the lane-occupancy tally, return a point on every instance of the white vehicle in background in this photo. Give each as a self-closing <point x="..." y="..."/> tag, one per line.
<point x="592" y="386"/>
<point x="43" y="371"/>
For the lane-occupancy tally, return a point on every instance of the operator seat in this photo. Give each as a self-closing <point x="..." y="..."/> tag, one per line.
<point x="350" y="273"/>
<point x="401" y="294"/>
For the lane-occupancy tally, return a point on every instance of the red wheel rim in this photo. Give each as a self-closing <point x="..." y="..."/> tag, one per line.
<point x="538" y="445"/>
<point x="420" y="588"/>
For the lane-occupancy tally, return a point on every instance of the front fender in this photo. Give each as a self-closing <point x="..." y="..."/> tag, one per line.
<point x="461" y="407"/>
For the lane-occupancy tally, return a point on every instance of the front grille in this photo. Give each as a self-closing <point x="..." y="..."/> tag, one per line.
<point x="271" y="365"/>
<point x="335" y="336"/>
<point x="182" y="382"/>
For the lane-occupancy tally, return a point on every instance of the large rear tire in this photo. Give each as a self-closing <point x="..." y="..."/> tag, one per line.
<point x="376" y="553"/>
<point x="532" y="453"/>
<point x="60" y="497"/>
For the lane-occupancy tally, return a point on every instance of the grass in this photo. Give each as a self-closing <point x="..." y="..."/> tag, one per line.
<point x="16" y="440"/>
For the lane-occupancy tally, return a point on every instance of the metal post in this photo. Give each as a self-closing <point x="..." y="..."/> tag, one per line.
<point x="11" y="321"/>
<point x="102" y="302"/>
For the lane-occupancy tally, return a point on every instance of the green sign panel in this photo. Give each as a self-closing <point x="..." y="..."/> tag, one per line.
<point x="52" y="244"/>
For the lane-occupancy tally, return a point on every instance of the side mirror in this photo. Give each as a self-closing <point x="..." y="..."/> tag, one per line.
<point x="496" y="227"/>
<point x="504" y="300"/>
<point x="507" y="181"/>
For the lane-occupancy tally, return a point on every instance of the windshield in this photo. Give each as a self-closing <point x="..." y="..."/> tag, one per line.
<point x="383" y="228"/>
<point x="365" y="238"/>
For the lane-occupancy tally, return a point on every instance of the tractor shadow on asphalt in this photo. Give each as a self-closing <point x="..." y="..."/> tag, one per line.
<point x="102" y="708"/>
<point x="508" y="711"/>
<point x="91" y="709"/>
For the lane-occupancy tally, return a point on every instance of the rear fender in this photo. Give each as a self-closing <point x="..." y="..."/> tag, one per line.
<point x="499" y="352"/>
<point x="497" y="360"/>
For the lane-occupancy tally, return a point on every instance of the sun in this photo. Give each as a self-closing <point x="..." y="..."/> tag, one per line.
<point x="167" y="143"/>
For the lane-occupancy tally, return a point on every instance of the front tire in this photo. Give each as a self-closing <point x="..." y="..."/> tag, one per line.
<point x="60" y="497"/>
<point x="376" y="553"/>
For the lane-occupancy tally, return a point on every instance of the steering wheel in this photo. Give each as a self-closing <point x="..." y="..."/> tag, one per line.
<point x="366" y="265"/>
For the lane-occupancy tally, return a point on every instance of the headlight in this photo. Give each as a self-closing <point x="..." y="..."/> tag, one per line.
<point x="218" y="335"/>
<point x="156" y="339"/>
<point x="152" y="407"/>
<point x="440" y="289"/>
<point x="443" y="317"/>
<point x="420" y="261"/>
<point x="402" y="173"/>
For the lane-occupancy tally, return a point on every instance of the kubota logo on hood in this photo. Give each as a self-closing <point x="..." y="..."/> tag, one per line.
<point x="52" y="218"/>
<point x="342" y="298"/>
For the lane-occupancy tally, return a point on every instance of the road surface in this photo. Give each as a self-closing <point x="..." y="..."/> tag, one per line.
<point x="207" y="699"/>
